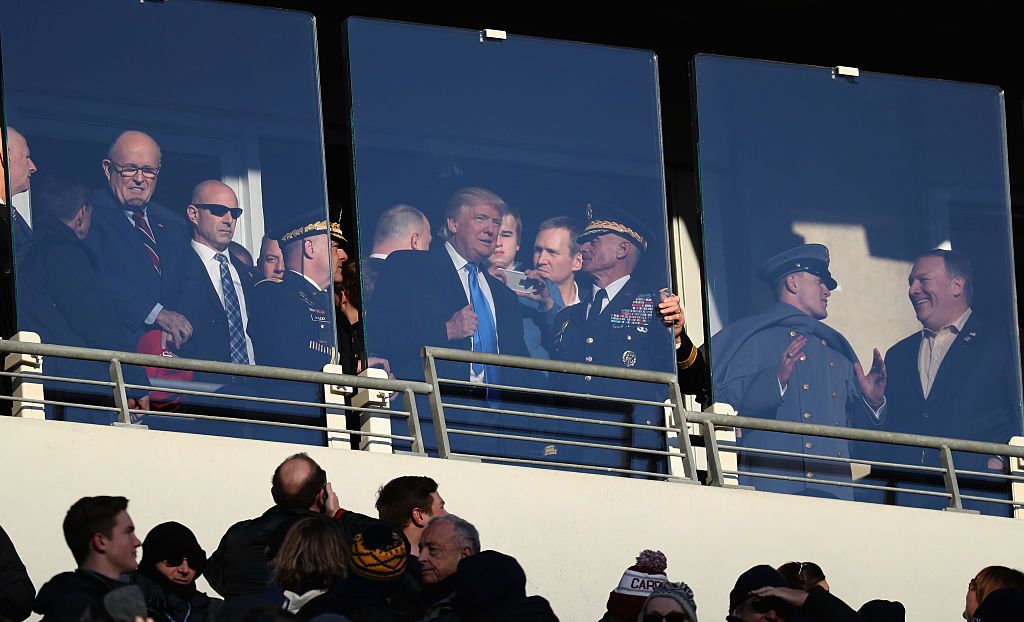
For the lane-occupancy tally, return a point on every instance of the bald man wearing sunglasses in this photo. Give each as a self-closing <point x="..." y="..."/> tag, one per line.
<point x="209" y="288"/>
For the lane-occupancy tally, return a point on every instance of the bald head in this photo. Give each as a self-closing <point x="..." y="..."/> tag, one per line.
<point x="297" y="483"/>
<point x="22" y="166"/>
<point x="210" y="214"/>
<point x="401" y="227"/>
<point x="131" y="167"/>
<point x="214" y="191"/>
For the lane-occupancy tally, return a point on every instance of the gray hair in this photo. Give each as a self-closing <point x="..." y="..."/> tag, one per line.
<point x="397" y="223"/>
<point x="465" y="533"/>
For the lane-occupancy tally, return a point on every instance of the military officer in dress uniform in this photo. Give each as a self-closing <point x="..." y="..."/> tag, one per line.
<point x="616" y="324"/>
<point x="785" y="364"/>
<point x="290" y="322"/>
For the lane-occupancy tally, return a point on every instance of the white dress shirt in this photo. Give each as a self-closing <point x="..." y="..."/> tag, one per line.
<point x="208" y="257"/>
<point x="612" y="289"/>
<point x="935" y="346"/>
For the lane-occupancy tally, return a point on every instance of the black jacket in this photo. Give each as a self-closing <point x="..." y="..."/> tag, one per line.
<point x="69" y="595"/>
<point x="60" y="297"/>
<point x="16" y="589"/>
<point x="822" y="606"/>
<point x="167" y="606"/>
<point x="241" y="563"/>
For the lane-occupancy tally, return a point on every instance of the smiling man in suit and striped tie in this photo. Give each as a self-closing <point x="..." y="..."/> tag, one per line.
<point x="136" y="240"/>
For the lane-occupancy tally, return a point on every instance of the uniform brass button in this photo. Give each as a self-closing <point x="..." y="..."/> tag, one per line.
<point x="588" y="359"/>
<point x="810" y="475"/>
<point x="808" y="445"/>
<point x="792" y="333"/>
<point x="803" y="357"/>
<point x="806" y="386"/>
<point x="807" y="415"/>
<point x="590" y="340"/>
<point x="587" y="378"/>
<point x="835" y="394"/>
<point x="831" y="363"/>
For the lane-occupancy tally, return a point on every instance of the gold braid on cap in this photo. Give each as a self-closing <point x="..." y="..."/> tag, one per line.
<point x="320" y="225"/>
<point x="617" y="227"/>
<point x="336" y="232"/>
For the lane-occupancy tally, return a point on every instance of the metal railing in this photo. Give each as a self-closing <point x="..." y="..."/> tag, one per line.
<point x="24" y="367"/>
<point x="27" y="354"/>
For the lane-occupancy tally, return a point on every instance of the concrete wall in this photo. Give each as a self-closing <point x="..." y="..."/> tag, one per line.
<point x="574" y="534"/>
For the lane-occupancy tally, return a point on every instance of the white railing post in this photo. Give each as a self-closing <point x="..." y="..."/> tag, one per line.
<point x="336" y="394"/>
<point x="24" y="387"/>
<point x="1017" y="469"/>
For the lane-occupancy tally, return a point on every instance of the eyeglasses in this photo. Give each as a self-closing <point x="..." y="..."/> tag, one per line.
<point x="174" y="562"/>
<point x="219" y="210"/>
<point x="675" y="616"/>
<point x="130" y="170"/>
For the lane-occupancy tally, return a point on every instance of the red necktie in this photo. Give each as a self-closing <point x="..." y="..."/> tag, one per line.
<point x="149" y="240"/>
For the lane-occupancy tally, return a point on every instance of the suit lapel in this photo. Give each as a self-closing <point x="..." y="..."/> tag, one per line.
<point x="449" y="283"/>
<point x="199" y="270"/>
<point x="964" y="341"/>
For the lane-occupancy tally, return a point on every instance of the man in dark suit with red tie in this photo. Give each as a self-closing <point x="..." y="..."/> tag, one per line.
<point x="136" y="240"/>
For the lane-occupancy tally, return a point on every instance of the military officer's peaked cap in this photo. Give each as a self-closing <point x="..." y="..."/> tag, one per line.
<point x="812" y="258"/>
<point x="337" y="235"/>
<point x="301" y="227"/>
<point x="603" y="218"/>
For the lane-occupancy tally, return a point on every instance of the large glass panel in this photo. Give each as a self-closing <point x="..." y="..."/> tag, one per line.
<point x="190" y="130"/>
<point x="451" y="130"/>
<point x="809" y="175"/>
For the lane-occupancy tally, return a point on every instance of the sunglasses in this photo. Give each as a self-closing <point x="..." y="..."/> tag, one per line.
<point x="219" y="210"/>
<point x="174" y="562"/>
<point x="675" y="616"/>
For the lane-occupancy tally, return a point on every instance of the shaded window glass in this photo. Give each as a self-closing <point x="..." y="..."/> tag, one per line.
<point x="135" y="104"/>
<point x="807" y="176"/>
<point x="465" y="149"/>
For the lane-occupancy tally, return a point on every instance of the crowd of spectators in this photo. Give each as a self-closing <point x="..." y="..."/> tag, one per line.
<point x="308" y="558"/>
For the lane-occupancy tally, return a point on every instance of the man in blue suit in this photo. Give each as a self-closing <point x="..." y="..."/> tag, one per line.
<point x="136" y="240"/>
<point x="956" y="378"/>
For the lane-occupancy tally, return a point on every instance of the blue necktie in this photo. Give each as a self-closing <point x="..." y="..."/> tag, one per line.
<point x="236" y="333"/>
<point x="485" y="339"/>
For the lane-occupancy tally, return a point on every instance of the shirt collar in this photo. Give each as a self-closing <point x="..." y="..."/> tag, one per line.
<point x="955" y="327"/>
<point x="311" y="281"/>
<point x="612" y="288"/>
<point x="206" y="253"/>
<point x="457" y="259"/>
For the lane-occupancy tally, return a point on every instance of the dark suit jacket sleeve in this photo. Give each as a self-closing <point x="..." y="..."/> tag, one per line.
<point x="76" y="290"/>
<point x="407" y="310"/>
<point x="693" y="373"/>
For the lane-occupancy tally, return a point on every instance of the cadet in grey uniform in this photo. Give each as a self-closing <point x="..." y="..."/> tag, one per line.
<point x="785" y="364"/>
